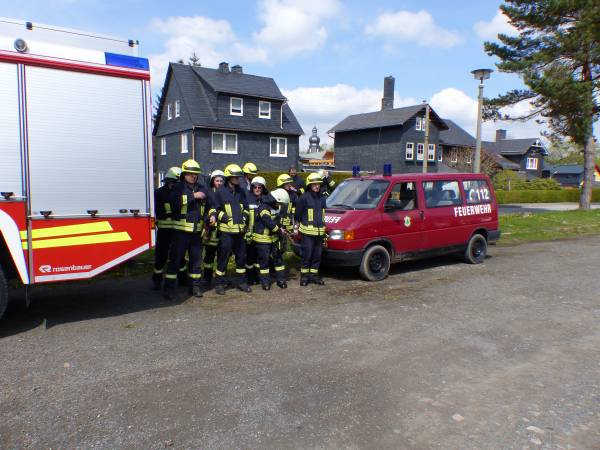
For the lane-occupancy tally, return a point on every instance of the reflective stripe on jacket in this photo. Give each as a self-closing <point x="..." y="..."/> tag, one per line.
<point x="188" y="213"/>
<point x="230" y="209"/>
<point x="265" y="225"/>
<point x="162" y="208"/>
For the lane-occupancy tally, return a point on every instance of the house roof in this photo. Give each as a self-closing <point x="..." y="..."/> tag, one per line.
<point x="200" y="86"/>
<point x="456" y="136"/>
<point x="239" y="83"/>
<point x="568" y="169"/>
<point x="514" y="146"/>
<point x="502" y="161"/>
<point x="384" y="118"/>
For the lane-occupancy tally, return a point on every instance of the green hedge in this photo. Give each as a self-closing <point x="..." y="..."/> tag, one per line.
<point x="542" y="196"/>
<point x="271" y="177"/>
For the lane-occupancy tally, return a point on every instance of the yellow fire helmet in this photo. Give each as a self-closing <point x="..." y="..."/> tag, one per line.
<point x="173" y="174"/>
<point x="314" y="178"/>
<point x="250" y="168"/>
<point x="283" y="179"/>
<point x="233" y="170"/>
<point x="190" y="166"/>
<point x="281" y="196"/>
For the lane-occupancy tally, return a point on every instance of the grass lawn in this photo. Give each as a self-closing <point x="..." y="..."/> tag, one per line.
<point x="547" y="226"/>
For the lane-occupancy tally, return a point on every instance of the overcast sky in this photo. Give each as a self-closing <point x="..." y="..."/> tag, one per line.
<point x="329" y="57"/>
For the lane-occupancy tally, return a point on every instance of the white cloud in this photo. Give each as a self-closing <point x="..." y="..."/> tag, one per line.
<point x="325" y="106"/>
<point x="407" y="26"/>
<point x="291" y="27"/>
<point x="212" y="40"/>
<point x="456" y="105"/>
<point x="498" y="24"/>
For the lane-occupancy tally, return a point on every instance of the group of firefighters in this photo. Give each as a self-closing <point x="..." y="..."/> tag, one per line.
<point x="202" y="222"/>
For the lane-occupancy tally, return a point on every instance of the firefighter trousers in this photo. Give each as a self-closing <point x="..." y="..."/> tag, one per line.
<point x="228" y="244"/>
<point x="312" y="248"/>
<point x="251" y="263"/>
<point x="267" y="254"/>
<point x="164" y="237"/>
<point x="182" y="242"/>
<point x="208" y="262"/>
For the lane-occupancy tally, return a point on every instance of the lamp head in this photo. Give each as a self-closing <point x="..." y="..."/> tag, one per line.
<point x="481" y="74"/>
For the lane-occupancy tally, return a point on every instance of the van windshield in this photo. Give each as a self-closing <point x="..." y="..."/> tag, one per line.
<point x="357" y="194"/>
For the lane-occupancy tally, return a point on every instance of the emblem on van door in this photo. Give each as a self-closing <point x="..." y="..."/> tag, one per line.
<point x="407" y="221"/>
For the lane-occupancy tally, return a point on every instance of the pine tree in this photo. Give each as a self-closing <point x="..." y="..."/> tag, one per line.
<point x="194" y="60"/>
<point x="557" y="55"/>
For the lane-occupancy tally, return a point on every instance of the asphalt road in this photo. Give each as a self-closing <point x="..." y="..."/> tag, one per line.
<point x="539" y="207"/>
<point x="439" y="355"/>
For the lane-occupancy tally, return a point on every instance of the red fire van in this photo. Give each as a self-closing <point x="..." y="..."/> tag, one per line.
<point x="377" y="220"/>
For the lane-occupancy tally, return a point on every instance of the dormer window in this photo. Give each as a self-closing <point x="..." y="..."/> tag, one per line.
<point x="264" y="110"/>
<point x="236" y="106"/>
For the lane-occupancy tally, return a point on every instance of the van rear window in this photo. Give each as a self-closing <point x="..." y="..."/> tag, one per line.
<point x="477" y="191"/>
<point x="441" y="193"/>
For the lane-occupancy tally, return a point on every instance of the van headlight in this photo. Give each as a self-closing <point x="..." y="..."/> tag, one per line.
<point x="335" y="235"/>
<point x="338" y="235"/>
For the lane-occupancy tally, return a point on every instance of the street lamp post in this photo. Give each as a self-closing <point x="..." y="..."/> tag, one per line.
<point x="479" y="74"/>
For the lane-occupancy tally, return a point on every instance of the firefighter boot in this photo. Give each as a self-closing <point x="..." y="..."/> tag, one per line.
<point x="169" y="289"/>
<point x="197" y="290"/>
<point x="220" y="288"/>
<point x="282" y="284"/>
<point x="243" y="286"/>
<point x="156" y="281"/>
<point x="316" y="279"/>
<point x="304" y="280"/>
<point x="266" y="285"/>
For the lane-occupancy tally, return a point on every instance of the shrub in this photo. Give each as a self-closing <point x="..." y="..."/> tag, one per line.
<point x="509" y="179"/>
<point x="543" y="183"/>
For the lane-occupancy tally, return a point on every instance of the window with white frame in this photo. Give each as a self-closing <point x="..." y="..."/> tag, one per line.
<point x="532" y="164"/>
<point x="278" y="147"/>
<point x="177" y="108"/>
<point x="161" y="176"/>
<point x="163" y="146"/>
<point x="184" y="143"/>
<point x="410" y="150"/>
<point x="440" y="158"/>
<point x="431" y="152"/>
<point x="236" y="106"/>
<point x="169" y="111"/>
<point x="419" y="125"/>
<point x="420" y="149"/>
<point x="264" y="110"/>
<point x="224" y="143"/>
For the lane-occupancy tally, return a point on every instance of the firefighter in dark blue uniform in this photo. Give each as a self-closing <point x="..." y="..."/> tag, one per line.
<point x="298" y="182"/>
<point x="310" y="215"/>
<point x="328" y="183"/>
<point x="250" y="170"/>
<point x="164" y="225"/>
<point x="285" y="181"/>
<point x="258" y="190"/>
<point x="188" y="206"/>
<point x="230" y="211"/>
<point x="279" y="245"/>
<point x="211" y="239"/>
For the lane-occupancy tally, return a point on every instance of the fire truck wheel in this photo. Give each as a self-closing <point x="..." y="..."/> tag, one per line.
<point x="476" y="249"/>
<point x="375" y="263"/>
<point x="3" y="292"/>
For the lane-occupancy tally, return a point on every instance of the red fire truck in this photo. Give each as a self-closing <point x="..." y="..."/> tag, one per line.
<point x="75" y="154"/>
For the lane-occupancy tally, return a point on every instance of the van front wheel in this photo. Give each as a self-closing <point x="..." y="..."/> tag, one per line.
<point x="476" y="249"/>
<point x="375" y="263"/>
<point x="3" y="293"/>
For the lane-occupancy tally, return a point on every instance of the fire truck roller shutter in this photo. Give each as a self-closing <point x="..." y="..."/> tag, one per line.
<point x="86" y="143"/>
<point x="10" y="148"/>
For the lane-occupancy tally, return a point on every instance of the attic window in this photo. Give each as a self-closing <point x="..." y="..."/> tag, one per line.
<point x="169" y="111"/>
<point x="264" y="110"/>
<point x="236" y="106"/>
<point x="419" y="126"/>
<point x="532" y="163"/>
<point x="177" y="108"/>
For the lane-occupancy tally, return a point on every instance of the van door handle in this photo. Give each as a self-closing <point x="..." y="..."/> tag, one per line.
<point x="422" y="214"/>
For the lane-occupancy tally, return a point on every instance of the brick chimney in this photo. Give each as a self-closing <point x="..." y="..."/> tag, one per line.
<point x="500" y="135"/>
<point x="224" y="67"/>
<point x="387" y="102"/>
<point x="237" y="69"/>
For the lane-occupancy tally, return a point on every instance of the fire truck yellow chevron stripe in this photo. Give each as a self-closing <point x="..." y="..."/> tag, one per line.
<point x="67" y="230"/>
<point x="79" y="240"/>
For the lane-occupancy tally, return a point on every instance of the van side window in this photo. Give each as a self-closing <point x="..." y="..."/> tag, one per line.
<point x="403" y="196"/>
<point x="441" y="193"/>
<point x="477" y="191"/>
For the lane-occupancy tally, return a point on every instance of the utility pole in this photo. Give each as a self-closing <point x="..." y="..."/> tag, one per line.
<point x="426" y="144"/>
<point x="479" y="74"/>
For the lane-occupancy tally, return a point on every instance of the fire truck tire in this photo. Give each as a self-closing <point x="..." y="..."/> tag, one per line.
<point x="375" y="263"/>
<point x="476" y="249"/>
<point x="3" y="292"/>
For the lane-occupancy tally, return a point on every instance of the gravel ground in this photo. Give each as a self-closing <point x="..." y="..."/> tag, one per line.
<point x="439" y="355"/>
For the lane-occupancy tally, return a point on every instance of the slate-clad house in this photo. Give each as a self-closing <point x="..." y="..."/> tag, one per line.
<point x="220" y="116"/>
<point x="568" y="174"/>
<point x="528" y="153"/>
<point x="391" y="135"/>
